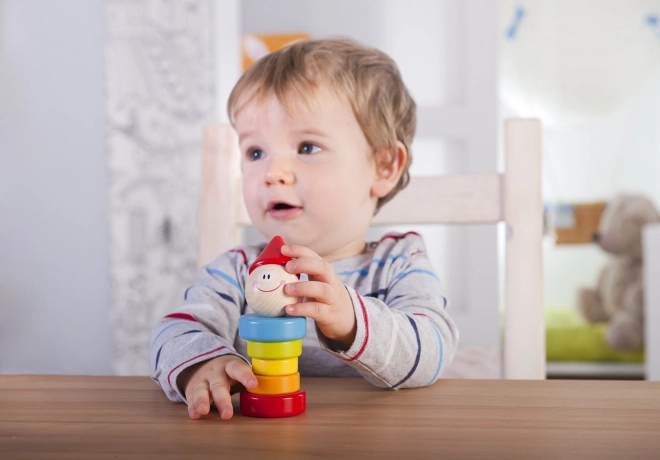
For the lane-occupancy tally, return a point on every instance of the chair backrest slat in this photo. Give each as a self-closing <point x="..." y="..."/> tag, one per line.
<point x="449" y="199"/>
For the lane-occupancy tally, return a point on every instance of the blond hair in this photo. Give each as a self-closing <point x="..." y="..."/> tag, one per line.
<point x="367" y="77"/>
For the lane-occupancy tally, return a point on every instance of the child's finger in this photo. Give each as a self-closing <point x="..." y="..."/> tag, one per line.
<point x="313" y="266"/>
<point x="198" y="400"/>
<point x="220" y="392"/>
<point x="315" y="310"/>
<point x="321" y="292"/>
<point x="241" y="372"/>
<point x="192" y="412"/>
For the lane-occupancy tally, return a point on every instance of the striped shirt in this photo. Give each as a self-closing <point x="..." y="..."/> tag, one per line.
<point x="405" y="337"/>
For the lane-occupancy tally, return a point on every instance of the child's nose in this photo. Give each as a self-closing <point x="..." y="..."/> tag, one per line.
<point x="279" y="172"/>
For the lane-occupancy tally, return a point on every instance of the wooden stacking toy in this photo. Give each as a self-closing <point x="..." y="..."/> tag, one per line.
<point x="274" y="345"/>
<point x="274" y="341"/>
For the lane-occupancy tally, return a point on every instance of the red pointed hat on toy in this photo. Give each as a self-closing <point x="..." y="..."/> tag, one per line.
<point x="272" y="254"/>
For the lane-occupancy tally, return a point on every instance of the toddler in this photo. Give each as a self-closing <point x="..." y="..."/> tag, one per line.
<point x="324" y="128"/>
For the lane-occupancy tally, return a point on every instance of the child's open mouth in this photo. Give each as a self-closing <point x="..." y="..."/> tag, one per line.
<point x="283" y="210"/>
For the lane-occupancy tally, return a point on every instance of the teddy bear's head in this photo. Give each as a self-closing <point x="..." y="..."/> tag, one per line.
<point x="620" y="229"/>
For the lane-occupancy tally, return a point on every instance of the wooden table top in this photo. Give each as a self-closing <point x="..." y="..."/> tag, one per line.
<point x="72" y="417"/>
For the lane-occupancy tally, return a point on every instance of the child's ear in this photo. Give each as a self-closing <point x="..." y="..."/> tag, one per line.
<point x="389" y="172"/>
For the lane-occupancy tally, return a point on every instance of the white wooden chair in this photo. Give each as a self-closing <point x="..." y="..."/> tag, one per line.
<point x="513" y="197"/>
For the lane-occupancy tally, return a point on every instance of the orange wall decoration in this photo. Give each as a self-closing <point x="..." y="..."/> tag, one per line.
<point x="256" y="46"/>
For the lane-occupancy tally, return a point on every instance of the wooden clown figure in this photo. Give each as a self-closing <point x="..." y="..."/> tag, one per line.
<point x="264" y="290"/>
<point x="274" y="341"/>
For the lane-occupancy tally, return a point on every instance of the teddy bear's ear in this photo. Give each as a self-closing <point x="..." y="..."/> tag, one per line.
<point x="642" y="211"/>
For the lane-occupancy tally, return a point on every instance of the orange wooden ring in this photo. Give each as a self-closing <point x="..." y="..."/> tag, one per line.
<point x="273" y="406"/>
<point x="276" y="384"/>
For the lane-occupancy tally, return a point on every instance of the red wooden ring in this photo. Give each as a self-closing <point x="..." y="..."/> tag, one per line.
<point x="273" y="406"/>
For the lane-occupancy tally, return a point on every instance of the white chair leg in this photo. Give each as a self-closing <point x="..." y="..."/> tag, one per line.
<point x="524" y="338"/>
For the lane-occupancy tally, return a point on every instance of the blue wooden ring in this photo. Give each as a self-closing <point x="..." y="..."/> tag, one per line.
<point x="265" y="329"/>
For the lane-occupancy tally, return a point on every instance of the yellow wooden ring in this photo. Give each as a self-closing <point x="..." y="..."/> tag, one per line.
<point x="276" y="384"/>
<point x="275" y="366"/>
<point x="274" y="350"/>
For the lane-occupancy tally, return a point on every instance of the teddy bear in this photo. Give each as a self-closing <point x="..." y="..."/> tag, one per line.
<point x="618" y="298"/>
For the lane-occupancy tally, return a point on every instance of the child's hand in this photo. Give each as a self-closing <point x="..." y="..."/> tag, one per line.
<point x="212" y="381"/>
<point x="332" y="309"/>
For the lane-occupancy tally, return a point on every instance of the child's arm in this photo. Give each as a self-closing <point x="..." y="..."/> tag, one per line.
<point x="404" y="336"/>
<point x="204" y="327"/>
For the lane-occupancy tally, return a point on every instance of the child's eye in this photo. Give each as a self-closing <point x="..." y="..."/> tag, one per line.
<point x="255" y="154"/>
<point x="308" y="148"/>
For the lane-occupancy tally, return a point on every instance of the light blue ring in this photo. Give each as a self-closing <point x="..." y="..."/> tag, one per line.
<point x="264" y="329"/>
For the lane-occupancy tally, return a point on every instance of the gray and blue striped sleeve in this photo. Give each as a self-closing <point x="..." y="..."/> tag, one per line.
<point x="204" y="327"/>
<point x="405" y="337"/>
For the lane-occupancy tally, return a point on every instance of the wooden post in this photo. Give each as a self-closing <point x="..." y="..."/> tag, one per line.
<point x="524" y="338"/>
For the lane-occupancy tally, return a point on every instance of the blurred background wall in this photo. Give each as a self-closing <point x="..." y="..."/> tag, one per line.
<point x="54" y="259"/>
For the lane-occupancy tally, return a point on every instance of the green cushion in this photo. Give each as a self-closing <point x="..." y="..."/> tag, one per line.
<point x="571" y="338"/>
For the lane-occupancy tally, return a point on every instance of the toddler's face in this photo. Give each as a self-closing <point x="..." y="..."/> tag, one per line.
<point x="307" y="177"/>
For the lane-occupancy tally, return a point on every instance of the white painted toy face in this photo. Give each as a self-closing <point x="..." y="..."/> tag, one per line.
<point x="264" y="290"/>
